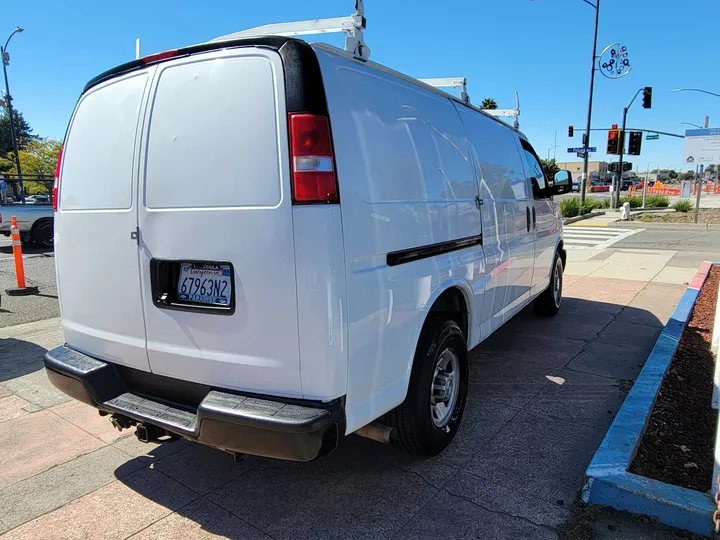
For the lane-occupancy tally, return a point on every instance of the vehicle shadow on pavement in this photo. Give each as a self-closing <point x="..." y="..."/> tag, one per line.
<point x="18" y="358"/>
<point x="542" y="395"/>
<point x="28" y="249"/>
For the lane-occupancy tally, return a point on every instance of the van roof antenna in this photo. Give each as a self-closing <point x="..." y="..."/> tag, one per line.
<point x="352" y="26"/>
<point x="458" y="83"/>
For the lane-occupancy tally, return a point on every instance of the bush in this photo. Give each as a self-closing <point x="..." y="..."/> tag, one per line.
<point x="571" y="206"/>
<point x="683" y="205"/>
<point x="635" y="202"/>
<point x="657" y="201"/>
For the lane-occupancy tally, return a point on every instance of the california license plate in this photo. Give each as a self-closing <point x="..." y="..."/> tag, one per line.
<point x="205" y="283"/>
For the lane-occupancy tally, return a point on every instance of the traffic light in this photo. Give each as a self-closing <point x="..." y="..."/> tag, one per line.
<point x="612" y="167"/>
<point x="571" y="130"/>
<point x="634" y="143"/>
<point x="647" y="97"/>
<point x="627" y="166"/>
<point x="613" y="140"/>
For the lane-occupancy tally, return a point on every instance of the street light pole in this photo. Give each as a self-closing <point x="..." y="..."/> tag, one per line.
<point x="694" y="90"/>
<point x="5" y="60"/>
<point x="586" y="141"/>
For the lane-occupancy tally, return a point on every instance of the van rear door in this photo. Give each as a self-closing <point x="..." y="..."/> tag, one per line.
<point x="216" y="232"/>
<point x="96" y="255"/>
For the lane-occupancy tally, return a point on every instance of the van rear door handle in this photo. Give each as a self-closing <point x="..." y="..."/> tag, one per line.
<point x="534" y="218"/>
<point x="527" y="210"/>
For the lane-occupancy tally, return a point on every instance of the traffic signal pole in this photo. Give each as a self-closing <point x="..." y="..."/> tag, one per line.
<point x="616" y="198"/>
<point x="622" y="151"/>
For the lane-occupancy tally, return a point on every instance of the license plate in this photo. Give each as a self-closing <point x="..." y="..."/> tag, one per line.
<point x="205" y="283"/>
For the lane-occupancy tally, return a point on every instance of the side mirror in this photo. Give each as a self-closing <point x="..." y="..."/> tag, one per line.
<point x="562" y="183"/>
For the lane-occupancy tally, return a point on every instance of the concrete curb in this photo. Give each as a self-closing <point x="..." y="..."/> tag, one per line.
<point x="608" y="481"/>
<point x="568" y="221"/>
<point x="669" y="226"/>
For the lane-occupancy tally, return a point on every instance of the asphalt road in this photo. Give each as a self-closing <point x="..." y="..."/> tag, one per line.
<point x="692" y="247"/>
<point x="39" y="267"/>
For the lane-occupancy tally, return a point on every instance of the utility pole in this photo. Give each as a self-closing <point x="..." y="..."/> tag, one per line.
<point x="586" y="136"/>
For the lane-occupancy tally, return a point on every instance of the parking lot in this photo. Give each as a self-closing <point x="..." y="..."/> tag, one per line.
<point x="543" y="392"/>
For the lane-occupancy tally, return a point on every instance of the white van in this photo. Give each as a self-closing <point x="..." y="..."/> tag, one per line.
<point x="264" y="245"/>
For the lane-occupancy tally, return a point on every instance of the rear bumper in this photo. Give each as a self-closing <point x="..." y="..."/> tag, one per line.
<point x="259" y="425"/>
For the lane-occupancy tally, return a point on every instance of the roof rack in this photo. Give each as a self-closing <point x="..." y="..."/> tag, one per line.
<point x="352" y="26"/>
<point x="460" y="84"/>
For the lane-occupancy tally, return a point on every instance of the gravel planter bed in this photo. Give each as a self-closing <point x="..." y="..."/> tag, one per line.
<point x="707" y="215"/>
<point x="678" y="444"/>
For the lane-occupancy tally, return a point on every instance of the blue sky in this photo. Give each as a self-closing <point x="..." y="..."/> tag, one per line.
<point x="539" y="47"/>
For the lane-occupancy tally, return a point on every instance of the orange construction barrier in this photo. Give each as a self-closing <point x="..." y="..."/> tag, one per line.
<point x="21" y="289"/>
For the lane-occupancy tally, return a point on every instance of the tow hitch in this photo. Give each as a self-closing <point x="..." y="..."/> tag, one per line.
<point x="150" y="433"/>
<point x="144" y="432"/>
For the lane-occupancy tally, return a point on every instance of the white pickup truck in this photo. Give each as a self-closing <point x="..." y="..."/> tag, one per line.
<point x="35" y="222"/>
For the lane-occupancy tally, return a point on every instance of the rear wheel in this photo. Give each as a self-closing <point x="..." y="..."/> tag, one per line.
<point x="426" y="422"/>
<point x="43" y="233"/>
<point x="548" y="303"/>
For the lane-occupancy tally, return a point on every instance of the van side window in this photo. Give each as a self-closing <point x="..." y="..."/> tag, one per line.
<point x="535" y="170"/>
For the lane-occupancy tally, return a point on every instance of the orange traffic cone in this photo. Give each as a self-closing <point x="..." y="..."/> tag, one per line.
<point x="21" y="288"/>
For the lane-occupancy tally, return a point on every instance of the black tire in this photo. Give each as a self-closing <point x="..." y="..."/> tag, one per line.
<point x="42" y="233"/>
<point x="412" y="421"/>
<point x="548" y="303"/>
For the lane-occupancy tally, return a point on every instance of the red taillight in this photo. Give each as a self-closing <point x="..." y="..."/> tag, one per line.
<point x="149" y="59"/>
<point x="56" y="186"/>
<point x="311" y="159"/>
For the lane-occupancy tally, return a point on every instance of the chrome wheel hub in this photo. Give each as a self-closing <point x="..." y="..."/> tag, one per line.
<point x="445" y="388"/>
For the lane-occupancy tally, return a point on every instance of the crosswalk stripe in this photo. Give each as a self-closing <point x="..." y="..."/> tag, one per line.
<point x="586" y="238"/>
<point x="595" y="229"/>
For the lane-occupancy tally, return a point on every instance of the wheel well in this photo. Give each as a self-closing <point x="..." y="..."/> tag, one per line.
<point x="451" y="305"/>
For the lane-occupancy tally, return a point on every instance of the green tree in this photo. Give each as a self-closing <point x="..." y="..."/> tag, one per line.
<point x="39" y="158"/>
<point x="549" y="168"/>
<point x="488" y="103"/>
<point x="23" y="132"/>
<point x="672" y="174"/>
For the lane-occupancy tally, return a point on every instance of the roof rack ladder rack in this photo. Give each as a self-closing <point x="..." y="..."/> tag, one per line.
<point x="352" y="26"/>
<point x="512" y="113"/>
<point x="458" y="83"/>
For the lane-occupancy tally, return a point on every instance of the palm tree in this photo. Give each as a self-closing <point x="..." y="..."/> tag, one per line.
<point x="488" y="103"/>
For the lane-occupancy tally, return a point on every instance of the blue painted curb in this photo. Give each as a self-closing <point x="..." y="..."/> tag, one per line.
<point x="608" y="481"/>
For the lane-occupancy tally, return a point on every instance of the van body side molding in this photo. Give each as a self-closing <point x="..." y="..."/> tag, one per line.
<point x="395" y="258"/>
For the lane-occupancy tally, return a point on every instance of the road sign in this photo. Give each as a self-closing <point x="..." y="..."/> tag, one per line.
<point x="3" y="186"/>
<point x="582" y="149"/>
<point x="652" y="136"/>
<point x="702" y="146"/>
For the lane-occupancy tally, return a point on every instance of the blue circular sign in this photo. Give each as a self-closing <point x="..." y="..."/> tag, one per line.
<point x="3" y="186"/>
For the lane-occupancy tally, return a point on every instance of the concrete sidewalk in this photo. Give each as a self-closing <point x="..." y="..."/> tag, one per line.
<point x="543" y="392"/>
